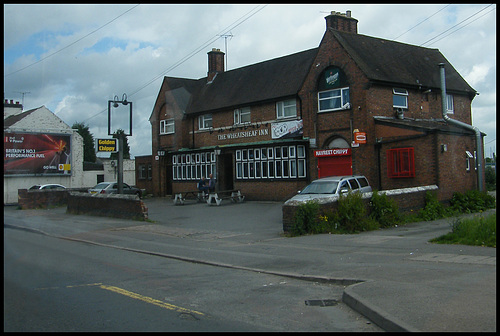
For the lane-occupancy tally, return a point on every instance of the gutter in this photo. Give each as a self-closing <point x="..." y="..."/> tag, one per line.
<point x="479" y="142"/>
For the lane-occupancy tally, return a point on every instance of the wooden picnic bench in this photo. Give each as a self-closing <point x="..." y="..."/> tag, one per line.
<point x="218" y="196"/>
<point x="196" y="194"/>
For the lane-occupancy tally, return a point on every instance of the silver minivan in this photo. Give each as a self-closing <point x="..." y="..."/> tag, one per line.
<point x="333" y="186"/>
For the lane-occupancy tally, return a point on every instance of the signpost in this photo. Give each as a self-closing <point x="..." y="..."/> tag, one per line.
<point x="118" y="120"/>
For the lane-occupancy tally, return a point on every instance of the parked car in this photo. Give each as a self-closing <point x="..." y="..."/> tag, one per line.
<point x="47" y="187"/>
<point x="333" y="186"/>
<point x="112" y="188"/>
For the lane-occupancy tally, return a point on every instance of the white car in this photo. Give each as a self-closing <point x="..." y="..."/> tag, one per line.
<point x="333" y="186"/>
<point x="112" y="188"/>
<point x="47" y="187"/>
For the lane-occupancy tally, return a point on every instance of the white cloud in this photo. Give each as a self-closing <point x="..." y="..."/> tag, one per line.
<point x="156" y="40"/>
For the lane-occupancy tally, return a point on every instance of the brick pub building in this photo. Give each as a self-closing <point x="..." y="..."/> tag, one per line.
<point x="354" y="105"/>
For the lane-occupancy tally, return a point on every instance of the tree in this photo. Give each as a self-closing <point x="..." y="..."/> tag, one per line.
<point x="88" y="141"/>
<point x="126" y="148"/>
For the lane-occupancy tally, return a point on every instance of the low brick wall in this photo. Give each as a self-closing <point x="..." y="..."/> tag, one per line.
<point x="43" y="199"/>
<point x="407" y="199"/>
<point x="108" y="205"/>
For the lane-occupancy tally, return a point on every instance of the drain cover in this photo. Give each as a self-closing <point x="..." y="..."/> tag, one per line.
<point x="321" y="303"/>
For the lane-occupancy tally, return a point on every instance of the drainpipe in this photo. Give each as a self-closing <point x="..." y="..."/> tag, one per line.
<point x="479" y="142"/>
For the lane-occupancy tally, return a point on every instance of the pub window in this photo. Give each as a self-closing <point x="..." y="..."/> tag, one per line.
<point x="449" y="104"/>
<point x="191" y="166"/>
<point x="282" y="162"/>
<point x="301" y="152"/>
<point x="333" y="100"/>
<point x="468" y="158"/>
<point x="142" y="172"/>
<point x="286" y="109"/>
<point x="242" y="116"/>
<point x="399" y="98"/>
<point x="167" y="126"/>
<point x="301" y="168"/>
<point x="400" y="163"/>
<point x="150" y="172"/>
<point x="293" y="168"/>
<point x="264" y="169"/>
<point x="205" y="121"/>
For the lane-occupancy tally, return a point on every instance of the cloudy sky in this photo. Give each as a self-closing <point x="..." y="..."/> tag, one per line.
<point x="74" y="58"/>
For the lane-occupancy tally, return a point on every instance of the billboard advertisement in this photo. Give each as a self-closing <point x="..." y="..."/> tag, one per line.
<point x="37" y="154"/>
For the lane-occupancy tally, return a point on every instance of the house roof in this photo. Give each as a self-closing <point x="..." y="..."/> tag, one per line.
<point x="268" y="80"/>
<point x="13" y="119"/>
<point x="395" y="62"/>
<point x="382" y="61"/>
<point x="423" y="125"/>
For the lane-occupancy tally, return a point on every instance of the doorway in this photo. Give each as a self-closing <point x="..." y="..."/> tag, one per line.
<point x="225" y="172"/>
<point x="334" y="166"/>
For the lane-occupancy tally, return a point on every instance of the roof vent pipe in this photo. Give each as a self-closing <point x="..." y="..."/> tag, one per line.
<point x="479" y="142"/>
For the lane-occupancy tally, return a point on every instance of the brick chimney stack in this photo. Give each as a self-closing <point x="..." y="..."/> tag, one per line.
<point x="215" y="63"/>
<point x="342" y="22"/>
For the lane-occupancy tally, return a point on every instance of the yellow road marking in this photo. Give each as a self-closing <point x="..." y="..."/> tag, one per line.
<point x="133" y="296"/>
<point x="149" y="300"/>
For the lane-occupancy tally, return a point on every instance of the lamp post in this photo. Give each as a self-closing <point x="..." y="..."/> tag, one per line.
<point x="120" y="136"/>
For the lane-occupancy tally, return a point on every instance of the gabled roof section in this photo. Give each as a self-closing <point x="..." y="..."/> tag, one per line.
<point x="13" y="119"/>
<point x="269" y="80"/>
<point x="399" y="63"/>
<point x="186" y="85"/>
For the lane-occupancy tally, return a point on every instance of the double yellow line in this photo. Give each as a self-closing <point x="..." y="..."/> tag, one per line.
<point x="135" y="296"/>
<point x="149" y="300"/>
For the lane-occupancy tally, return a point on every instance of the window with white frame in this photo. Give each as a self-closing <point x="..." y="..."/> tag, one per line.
<point x="399" y="98"/>
<point x="192" y="166"/>
<point x="468" y="158"/>
<point x="242" y="116"/>
<point x="286" y="109"/>
<point x="280" y="162"/>
<point x="332" y="100"/>
<point x="167" y="126"/>
<point x="449" y="104"/>
<point x="205" y="121"/>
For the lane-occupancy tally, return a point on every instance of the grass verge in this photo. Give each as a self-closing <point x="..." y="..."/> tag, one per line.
<point x="477" y="231"/>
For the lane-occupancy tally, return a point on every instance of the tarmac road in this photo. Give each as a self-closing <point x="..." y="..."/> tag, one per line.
<point x="394" y="277"/>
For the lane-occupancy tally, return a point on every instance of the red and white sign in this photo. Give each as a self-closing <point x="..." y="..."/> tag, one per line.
<point x="360" y="137"/>
<point x="332" y="152"/>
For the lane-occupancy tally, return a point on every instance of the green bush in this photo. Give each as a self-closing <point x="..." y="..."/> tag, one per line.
<point x="306" y="218"/>
<point x="384" y="210"/>
<point x="433" y="209"/>
<point x="490" y="177"/>
<point x="351" y="216"/>
<point x="472" y="201"/>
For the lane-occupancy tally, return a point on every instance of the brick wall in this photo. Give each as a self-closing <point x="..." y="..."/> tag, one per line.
<point x="407" y="199"/>
<point x="43" y="199"/>
<point x="81" y="203"/>
<point x="107" y="205"/>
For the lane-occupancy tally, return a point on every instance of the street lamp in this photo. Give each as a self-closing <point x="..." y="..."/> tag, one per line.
<point x="121" y="137"/>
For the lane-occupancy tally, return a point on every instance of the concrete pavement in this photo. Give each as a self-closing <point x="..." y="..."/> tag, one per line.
<point x="395" y="277"/>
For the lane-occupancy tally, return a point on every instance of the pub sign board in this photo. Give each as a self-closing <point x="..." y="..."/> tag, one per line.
<point x="107" y="145"/>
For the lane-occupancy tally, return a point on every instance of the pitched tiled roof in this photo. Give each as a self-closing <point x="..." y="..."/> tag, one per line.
<point x="394" y="62"/>
<point x="277" y="78"/>
<point x="382" y="61"/>
<point x="13" y="119"/>
<point x="423" y="125"/>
